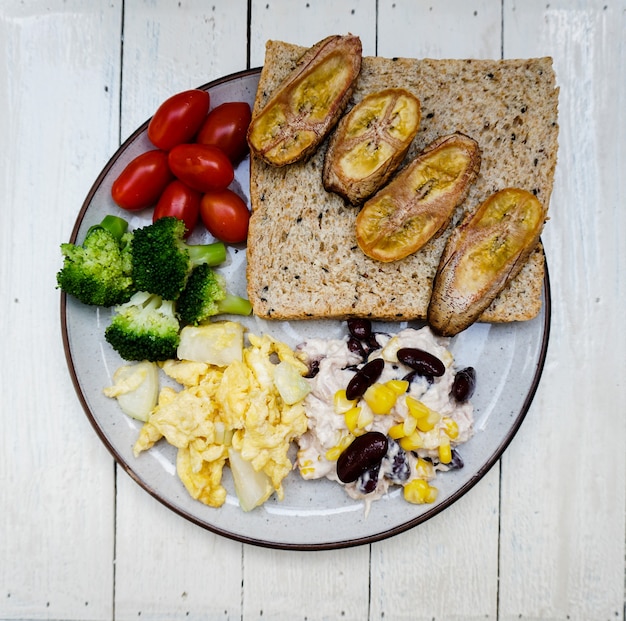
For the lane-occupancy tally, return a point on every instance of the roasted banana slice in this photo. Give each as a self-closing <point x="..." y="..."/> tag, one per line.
<point x="483" y="254"/>
<point x="308" y="103"/>
<point x="419" y="202"/>
<point x="370" y="143"/>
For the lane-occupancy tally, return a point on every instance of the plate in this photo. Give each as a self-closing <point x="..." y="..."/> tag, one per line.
<point x="314" y="515"/>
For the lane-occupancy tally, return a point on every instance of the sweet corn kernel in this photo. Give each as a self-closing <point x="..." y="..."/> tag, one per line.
<point x="409" y="425"/>
<point x="398" y="386"/>
<point x="428" y="422"/>
<point x="346" y="441"/>
<point x="306" y="468"/>
<point x="444" y="450"/>
<point x="380" y="398"/>
<point x="424" y="469"/>
<point x="412" y="442"/>
<point x="419" y="492"/>
<point x="352" y="418"/>
<point x="416" y="408"/>
<point x="341" y="403"/>
<point x="397" y="431"/>
<point x="366" y="417"/>
<point x="332" y="454"/>
<point x="433" y="492"/>
<point x="450" y="427"/>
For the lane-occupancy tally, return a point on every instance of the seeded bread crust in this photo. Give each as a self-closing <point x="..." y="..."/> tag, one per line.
<point x="303" y="260"/>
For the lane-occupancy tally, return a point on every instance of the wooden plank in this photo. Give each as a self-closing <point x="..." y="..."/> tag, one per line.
<point x="286" y="585"/>
<point x="58" y="121"/>
<point x="447" y="567"/>
<point x="169" y="568"/>
<point x="306" y="22"/>
<point x="166" y="567"/>
<point x="562" y="542"/>
<point x="452" y="29"/>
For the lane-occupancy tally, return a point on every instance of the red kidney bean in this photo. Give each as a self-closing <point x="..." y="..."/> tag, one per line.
<point x="365" y="452"/>
<point x="396" y="463"/>
<point x="368" y="480"/>
<point x="421" y="361"/>
<point x="360" y="328"/>
<point x="413" y="375"/>
<point x="457" y="461"/>
<point x="355" y="346"/>
<point x="464" y="384"/>
<point x="371" y="344"/>
<point x="314" y="368"/>
<point x="364" y="378"/>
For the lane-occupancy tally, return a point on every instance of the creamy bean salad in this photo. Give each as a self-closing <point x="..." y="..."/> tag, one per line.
<point x="384" y="410"/>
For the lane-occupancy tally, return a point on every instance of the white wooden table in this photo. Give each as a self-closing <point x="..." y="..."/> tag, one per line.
<point x="540" y="537"/>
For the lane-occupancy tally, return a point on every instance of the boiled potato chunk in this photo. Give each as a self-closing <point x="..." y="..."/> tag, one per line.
<point x="483" y="254"/>
<point x="136" y="388"/>
<point x="370" y="143"/>
<point x="419" y="202"/>
<point x="218" y="343"/>
<point x="252" y="487"/>
<point x="308" y="103"/>
<point x="289" y="382"/>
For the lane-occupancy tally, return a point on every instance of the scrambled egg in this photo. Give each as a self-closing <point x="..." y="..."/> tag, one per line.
<point x="238" y="407"/>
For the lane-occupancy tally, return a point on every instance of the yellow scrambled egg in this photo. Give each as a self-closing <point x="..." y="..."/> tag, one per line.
<point x="240" y="407"/>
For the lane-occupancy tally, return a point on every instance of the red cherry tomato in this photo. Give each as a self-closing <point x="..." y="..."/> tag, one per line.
<point x="179" y="201"/>
<point x="202" y="167"/>
<point x="143" y="180"/>
<point x="225" y="216"/>
<point x="178" y="119"/>
<point x="226" y="127"/>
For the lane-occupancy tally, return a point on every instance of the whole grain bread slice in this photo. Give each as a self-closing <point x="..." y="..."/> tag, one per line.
<point x="302" y="257"/>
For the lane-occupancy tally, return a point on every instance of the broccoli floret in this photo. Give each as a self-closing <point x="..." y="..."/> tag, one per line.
<point x="98" y="272"/>
<point x="205" y="295"/>
<point x="162" y="261"/>
<point x="144" y="328"/>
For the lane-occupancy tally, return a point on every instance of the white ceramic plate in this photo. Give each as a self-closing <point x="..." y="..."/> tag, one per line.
<point x="314" y="514"/>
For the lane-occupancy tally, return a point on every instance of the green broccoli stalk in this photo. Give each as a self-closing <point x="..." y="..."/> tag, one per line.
<point x="144" y="328"/>
<point x="98" y="272"/>
<point x="205" y="295"/>
<point x="162" y="260"/>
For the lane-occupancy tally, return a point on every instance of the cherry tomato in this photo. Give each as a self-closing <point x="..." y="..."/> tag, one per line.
<point x="202" y="167"/>
<point x="226" y="127"/>
<point x="225" y="216"/>
<point x="143" y="180"/>
<point x="179" y="201"/>
<point x="178" y="119"/>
